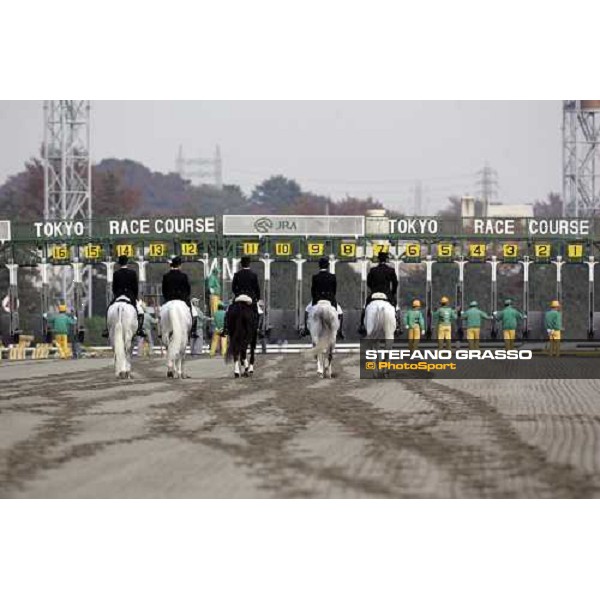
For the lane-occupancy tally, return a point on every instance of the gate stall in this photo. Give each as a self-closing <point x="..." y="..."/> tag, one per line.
<point x="533" y="262"/>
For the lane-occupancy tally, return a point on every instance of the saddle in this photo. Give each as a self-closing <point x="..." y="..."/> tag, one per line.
<point x="323" y="302"/>
<point x="124" y="298"/>
<point x="379" y="296"/>
<point x="243" y="298"/>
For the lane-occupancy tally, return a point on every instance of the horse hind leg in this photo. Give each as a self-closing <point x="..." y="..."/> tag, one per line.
<point x="328" y="368"/>
<point x="236" y="368"/>
<point x="320" y="364"/>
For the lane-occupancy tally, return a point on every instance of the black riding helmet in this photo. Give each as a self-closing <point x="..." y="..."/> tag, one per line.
<point x="323" y="262"/>
<point x="176" y="261"/>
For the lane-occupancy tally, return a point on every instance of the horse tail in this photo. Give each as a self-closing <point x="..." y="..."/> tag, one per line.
<point x="378" y="330"/>
<point x="119" y="340"/>
<point x="177" y="340"/>
<point x="326" y="320"/>
<point x="240" y="323"/>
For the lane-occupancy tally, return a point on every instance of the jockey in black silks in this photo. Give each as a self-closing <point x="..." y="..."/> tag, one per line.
<point x="324" y="287"/>
<point x="125" y="283"/>
<point x="382" y="279"/>
<point x="176" y="286"/>
<point x="245" y="281"/>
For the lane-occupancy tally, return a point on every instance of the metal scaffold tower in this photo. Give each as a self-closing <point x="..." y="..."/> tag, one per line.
<point x="488" y="186"/>
<point x="581" y="157"/>
<point x="68" y="195"/>
<point x="201" y="169"/>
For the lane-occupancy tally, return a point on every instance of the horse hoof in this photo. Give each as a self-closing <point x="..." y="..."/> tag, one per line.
<point x="246" y="374"/>
<point x="170" y="375"/>
<point x="236" y="375"/>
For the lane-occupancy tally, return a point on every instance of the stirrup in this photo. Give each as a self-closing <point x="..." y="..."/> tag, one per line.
<point x="105" y="333"/>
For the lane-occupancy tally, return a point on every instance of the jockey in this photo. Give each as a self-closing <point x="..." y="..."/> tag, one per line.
<point x="324" y="287"/>
<point x="125" y="283"/>
<point x="382" y="279"/>
<point x="245" y="281"/>
<point x="176" y="286"/>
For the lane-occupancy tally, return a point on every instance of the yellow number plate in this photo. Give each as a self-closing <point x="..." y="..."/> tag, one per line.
<point x="60" y="252"/>
<point x="157" y="250"/>
<point x="283" y="249"/>
<point x="377" y="248"/>
<point x="92" y="251"/>
<point x="477" y="250"/>
<point x="510" y="250"/>
<point x="575" y="250"/>
<point x="316" y="249"/>
<point x="124" y="250"/>
<point x="413" y="250"/>
<point x="250" y="248"/>
<point x="189" y="249"/>
<point x="348" y="250"/>
<point x="543" y="250"/>
<point x="445" y="250"/>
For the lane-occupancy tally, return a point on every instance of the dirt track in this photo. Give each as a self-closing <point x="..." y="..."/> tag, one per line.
<point x="69" y="429"/>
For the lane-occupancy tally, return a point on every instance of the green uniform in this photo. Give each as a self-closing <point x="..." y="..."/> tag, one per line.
<point x="213" y="283"/>
<point x="474" y="315"/>
<point x="509" y="317"/>
<point x="445" y="315"/>
<point x="219" y="320"/>
<point x="61" y="323"/>
<point x="553" y="320"/>
<point x="414" y="317"/>
<point x="149" y="320"/>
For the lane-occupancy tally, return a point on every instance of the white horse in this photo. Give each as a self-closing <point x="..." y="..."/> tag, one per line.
<point x="176" y="324"/>
<point x="323" y="325"/>
<point x="122" y="326"/>
<point x="380" y="318"/>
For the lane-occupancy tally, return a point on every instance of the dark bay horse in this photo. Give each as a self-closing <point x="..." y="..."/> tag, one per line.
<point x="242" y="329"/>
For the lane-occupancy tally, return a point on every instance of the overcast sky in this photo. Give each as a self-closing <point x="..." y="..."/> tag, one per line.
<point x="334" y="148"/>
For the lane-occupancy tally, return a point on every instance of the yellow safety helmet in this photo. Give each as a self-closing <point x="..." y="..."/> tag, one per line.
<point x="416" y="303"/>
<point x="445" y="300"/>
<point x="555" y="304"/>
<point x="62" y="308"/>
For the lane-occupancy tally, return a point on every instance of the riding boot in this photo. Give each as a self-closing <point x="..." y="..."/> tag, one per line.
<point x="225" y="332"/>
<point x="140" y="330"/>
<point x="361" y="328"/>
<point x="340" y="332"/>
<point x="194" y="330"/>
<point x="105" y="333"/>
<point x="398" y="328"/>
<point x="304" y="330"/>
